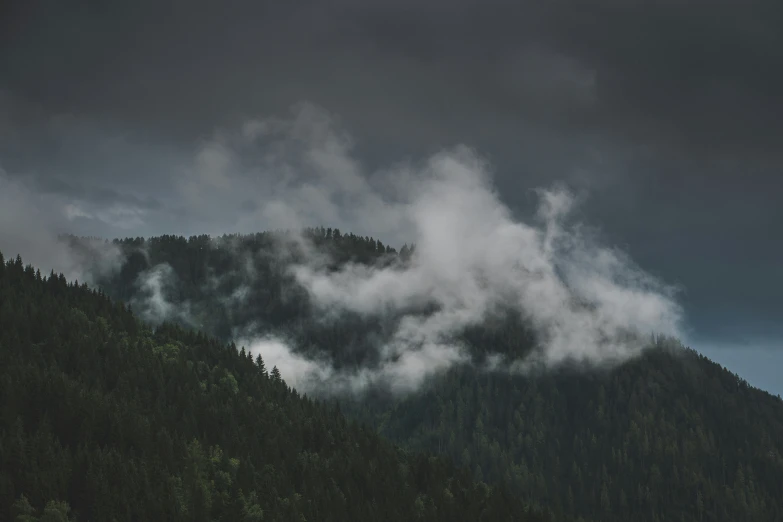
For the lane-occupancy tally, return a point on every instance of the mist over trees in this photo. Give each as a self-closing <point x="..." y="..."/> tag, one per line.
<point x="667" y="436"/>
<point x="104" y="418"/>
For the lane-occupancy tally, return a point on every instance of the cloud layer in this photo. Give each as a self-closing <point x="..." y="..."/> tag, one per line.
<point x="586" y="302"/>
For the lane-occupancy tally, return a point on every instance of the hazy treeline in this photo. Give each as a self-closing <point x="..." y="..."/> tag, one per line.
<point x="668" y="436"/>
<point x="104" y="418"/>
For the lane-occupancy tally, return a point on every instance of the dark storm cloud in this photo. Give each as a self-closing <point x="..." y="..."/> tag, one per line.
<point x="693" y="73"/>
<point x="670" y="113"/>
<point x="688" y="73"/>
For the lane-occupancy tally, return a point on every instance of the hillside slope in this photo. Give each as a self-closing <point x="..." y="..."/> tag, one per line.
<point x="102" y="418"/>
<point x="671" y="436"/>
<point x="666" y="437"/>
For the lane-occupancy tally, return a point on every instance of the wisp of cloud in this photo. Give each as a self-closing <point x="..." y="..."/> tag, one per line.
<point x="586" y="302"/>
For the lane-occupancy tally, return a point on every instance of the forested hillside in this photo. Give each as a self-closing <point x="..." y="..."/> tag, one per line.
<point x="667" y="437"/>
<point x="103" y="418"/>
<point x="671" y="436"/>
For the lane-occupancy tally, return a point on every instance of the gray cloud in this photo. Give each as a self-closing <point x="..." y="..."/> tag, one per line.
<point x="684" y="74"/>
<point x="31" y="224"/>
<point x="586" y="302"/>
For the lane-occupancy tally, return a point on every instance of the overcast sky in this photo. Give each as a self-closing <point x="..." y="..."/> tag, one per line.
<point x="665" y="116"/>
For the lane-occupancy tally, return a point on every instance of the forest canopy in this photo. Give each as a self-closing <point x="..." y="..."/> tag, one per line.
<point x="105" y="418"/>
<point x="668" y="435"/>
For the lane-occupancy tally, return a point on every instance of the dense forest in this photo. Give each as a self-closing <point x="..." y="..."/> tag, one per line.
<point x="665" y="438"/>
<point x="104" y="418"/>
<point x="671" y="436"/>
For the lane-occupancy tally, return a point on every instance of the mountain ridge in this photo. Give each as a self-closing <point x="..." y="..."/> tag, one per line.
<point x="654" y="439"/>
<point x="103" y="418"/>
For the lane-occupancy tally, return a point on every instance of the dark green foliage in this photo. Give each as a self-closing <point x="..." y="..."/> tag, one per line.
<point x="669" y="437"/>
<point x="102" y="418"/>
<point x="666" y="437"/>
